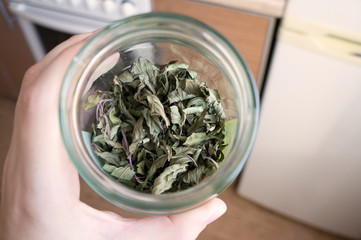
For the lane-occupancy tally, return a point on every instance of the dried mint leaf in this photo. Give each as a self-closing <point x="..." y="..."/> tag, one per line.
<point x="165" y="180"/>
<point x="158" y="129"/>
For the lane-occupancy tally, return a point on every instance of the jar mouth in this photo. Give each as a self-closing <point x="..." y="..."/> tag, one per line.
<point x="157" y="28"/>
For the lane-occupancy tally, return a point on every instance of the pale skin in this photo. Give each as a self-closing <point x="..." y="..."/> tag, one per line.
<point x="40" y="191"/>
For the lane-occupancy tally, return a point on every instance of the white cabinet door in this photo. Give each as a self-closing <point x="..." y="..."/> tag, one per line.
<point x="306" y="163"/>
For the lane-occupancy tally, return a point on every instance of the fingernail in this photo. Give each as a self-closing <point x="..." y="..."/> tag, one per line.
<point x="91" y="34"/>
<point x="97" y="30"/>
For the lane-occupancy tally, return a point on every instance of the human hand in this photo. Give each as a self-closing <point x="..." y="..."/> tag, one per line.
<point x="40" y="198"/>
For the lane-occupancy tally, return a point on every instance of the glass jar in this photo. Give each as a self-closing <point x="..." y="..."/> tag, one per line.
<point x="160" y="37"/>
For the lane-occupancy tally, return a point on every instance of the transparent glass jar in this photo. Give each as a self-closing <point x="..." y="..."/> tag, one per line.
<point x="160" y="37"/>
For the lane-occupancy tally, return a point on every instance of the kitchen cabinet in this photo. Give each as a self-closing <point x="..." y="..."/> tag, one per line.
<point x="250" y="33"/>
<point x="273" y="8"/>
<point x="15" y="56"/>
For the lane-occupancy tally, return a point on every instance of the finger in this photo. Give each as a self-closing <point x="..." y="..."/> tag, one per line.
<point x="45" y="82"/>
<point x="38" y="101"/>
<point x="36" y="69"/>
<point x="57" y="66"/>
<point x="184" y="226"/>
<point x="71" y="41"/>
<point x="36" y="118"/>
<point x="193" y="222"/>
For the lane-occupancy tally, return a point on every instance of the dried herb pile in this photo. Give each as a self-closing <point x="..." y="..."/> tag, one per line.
<point x="158" y="129"/>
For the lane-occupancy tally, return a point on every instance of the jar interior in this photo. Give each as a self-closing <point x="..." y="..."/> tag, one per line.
<point x="100" y="72"/>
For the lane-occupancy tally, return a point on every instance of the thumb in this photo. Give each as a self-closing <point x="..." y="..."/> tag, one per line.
<point x="190" y="224"/>
<point x="184" y="226"/>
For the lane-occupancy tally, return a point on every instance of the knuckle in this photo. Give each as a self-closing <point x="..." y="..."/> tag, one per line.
<point x="28" y="87"/>
<point x="27" y="98"/>
<point x="31" y="74"/>
<point x="29" y="92"/>
<point x="66" y="56"/>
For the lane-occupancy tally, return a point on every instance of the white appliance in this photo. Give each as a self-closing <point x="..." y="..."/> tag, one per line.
<point x="70" y="16"/>
<point x="306" y="163"/>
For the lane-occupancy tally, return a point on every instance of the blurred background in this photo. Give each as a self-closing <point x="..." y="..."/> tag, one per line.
<point x="303" y="178"/>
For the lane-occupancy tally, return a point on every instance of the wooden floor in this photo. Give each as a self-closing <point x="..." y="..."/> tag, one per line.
<point x="243" y="220"/>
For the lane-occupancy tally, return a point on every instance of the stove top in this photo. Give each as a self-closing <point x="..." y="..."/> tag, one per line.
<point x="102" y="10"/>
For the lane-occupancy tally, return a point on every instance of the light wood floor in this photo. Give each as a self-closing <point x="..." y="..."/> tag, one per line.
<point x="244" y="220"/>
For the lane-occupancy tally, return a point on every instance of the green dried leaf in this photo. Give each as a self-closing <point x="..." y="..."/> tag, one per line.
<point x="123" y="173"/>
<point x="93" y="100"/>
<point x="112" y="116"/>
<point x="184" y="159"/>
<point x="145" y="67"/>
<point x="146" y="72"/>
<point x="182" y="151"/>
<point x="157" y="164"/>
<point x="197" y="102"/>
<point x="183" y="115"/>
<point x="133" y="147"/>
<point x="114" y="131"/>
<point x="99" y="139"/>
<point x="124" y="77"/>
<point x="196" y="139"/>
<point x="165" y="180"/>
<point x="213" y="100"/>
<point x="136" y="113"/>
<point x="209" y="118"/>
<point x="193" y="74"/>
<point x="140" y="168"/>
<point x="126" y="127"/>
<point x="175" y="115"/>
<point x="124" y="111"/>
<point x="138" y="131"/>
<point x="156" y="108"/>
<point x="109" y="157"/>
<point x="190" y="86"/>
<point x="109" y="168"/>
<point x="114" y="144"/>
<point x="194" y="176"/>
<point x="179" y="95"/>
<point x="196" y="154"/>
<point x="155" y="126"/>
<point x="145" y="80"/>
<point x="193" y="110"/>
<point x="174" y="67"/>
<point x="167" y="149"/>
<point x="198" y="123"/>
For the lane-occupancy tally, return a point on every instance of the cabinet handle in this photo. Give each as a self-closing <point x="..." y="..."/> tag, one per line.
<point x="8" y="19"/>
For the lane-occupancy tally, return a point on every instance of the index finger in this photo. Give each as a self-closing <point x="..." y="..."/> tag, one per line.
<point x="33" y="72"/>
